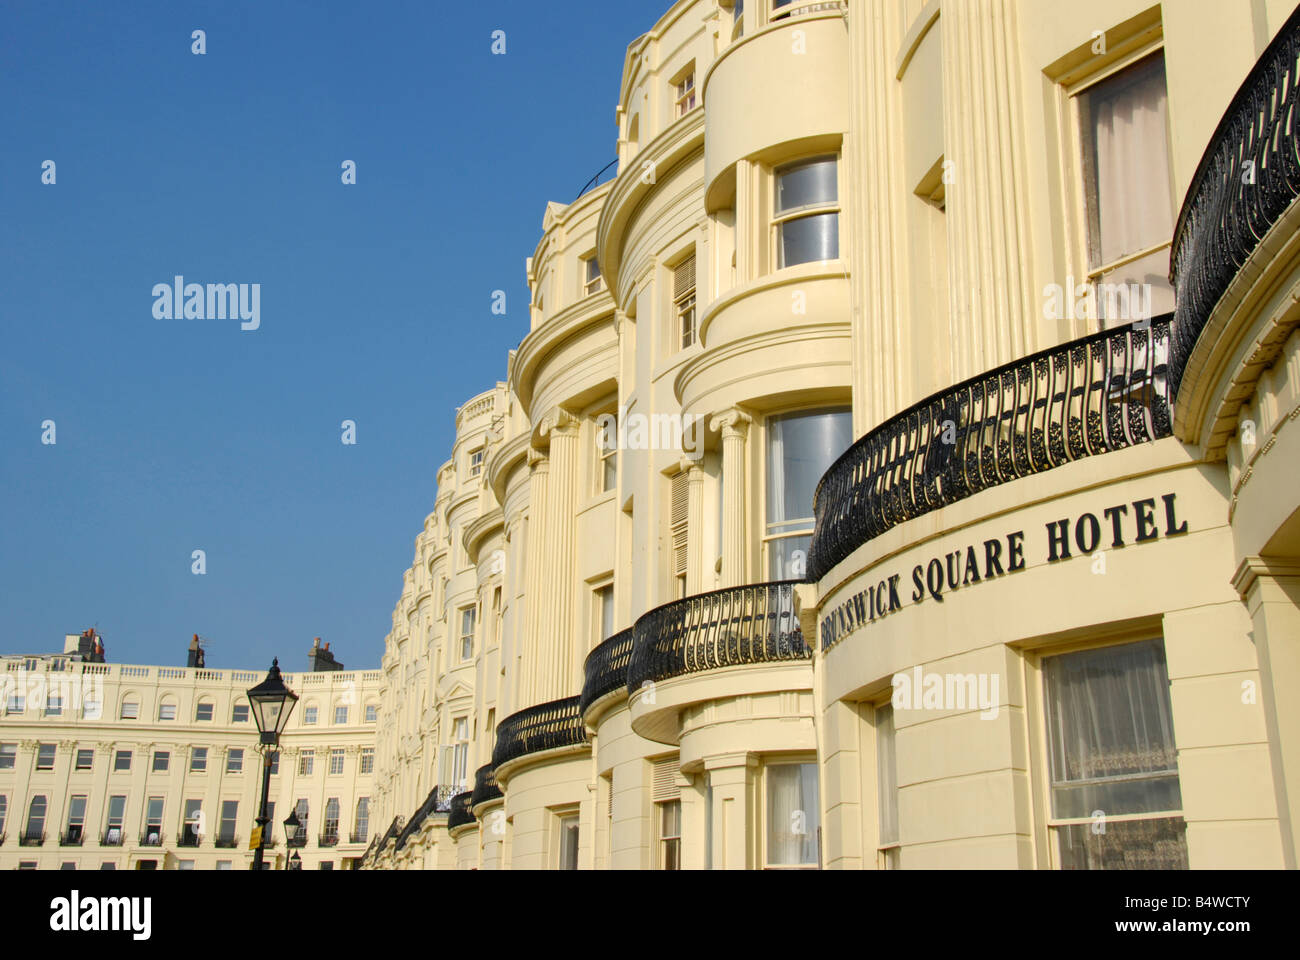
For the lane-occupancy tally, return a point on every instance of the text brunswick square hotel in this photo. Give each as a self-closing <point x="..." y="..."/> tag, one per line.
<point x="901" y="469"/>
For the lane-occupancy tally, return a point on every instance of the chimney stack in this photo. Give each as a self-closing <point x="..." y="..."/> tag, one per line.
<point x="320" y="660"/>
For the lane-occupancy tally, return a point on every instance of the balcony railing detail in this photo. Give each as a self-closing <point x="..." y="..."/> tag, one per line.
<point x="437" y="802"/>
<point x="112" y="837"/>
<point x="227" y="843"/>
<point x="461" y="813"/>
<point x="543" y="727"/>
<point x="1104" y="392"/>
<point x="1247" y="177"/>
<point x="152" y="838"/>
<point x="328" y="839"/>
<point x="72" y="837"/>
<point x="724" y="628"/>
<point x="485" y="786"/>
<point x="31" y="839"/>
<point x="606" y="667"/>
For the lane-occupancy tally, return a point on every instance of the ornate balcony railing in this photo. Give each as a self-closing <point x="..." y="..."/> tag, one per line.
<point x="543" y="727"/>
<point x="112" y="837"/>
<point x="188" y="838"/>
<point x="725" y="628"/>
<point x="485" y="786"/>
<point x="328" y="839"/>
<point x="1104" y="392"/>
<point x="437" y="801"/>
<point x="152" y="838"/>
<point x="72" y="837"/>
<point x="27" y="839"/>
<point x="606" y="667"/>
<point x="1247" y="177"/>
<point x="226" y="843"/>
<point x="461" y="813"/>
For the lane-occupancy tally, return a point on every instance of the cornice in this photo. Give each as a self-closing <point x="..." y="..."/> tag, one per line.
<point x="570" y="321"/>
<point x="504" y="459"/>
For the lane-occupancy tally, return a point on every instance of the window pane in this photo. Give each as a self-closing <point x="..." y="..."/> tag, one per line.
<point x="1158" y="844"/>
<point x="792" y="814"/>
<point x="887" y="774"/>
<point x="1111" y="732"/>
<point x="806" y="184"/>
<point x="809" y="239"/>
<point x="800" y="449"/>
<point x="569" y="843"/>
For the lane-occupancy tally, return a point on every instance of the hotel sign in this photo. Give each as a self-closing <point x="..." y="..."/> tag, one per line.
<point x="1116" y="526"/>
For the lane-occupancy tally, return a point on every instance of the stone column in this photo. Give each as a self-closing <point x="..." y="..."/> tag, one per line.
<point x="729" y="776"/>
<point x="694" y="526"/>
<point x="534" y="597"/>
<point x="1270" y="588"/>
<point x="735" y="427"/>
<point x="992" y="311"/>
<point x="559" y="660"/>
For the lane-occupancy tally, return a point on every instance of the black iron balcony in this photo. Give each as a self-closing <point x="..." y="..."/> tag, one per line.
<point x="30" y="839"/>
<point x="328" y="839"/>
<point x="72" y="837"/>
<point x="112" y="837"/>
<point x="361" y="837"/>
<point x="485" y="786"/>
<point x="546" y="726"/>
<point x="724" y="628"/>
<point x="605" y="669"/>
<point x="188" y="838"/>
<point x="299" y="841"/>
<point x="393" y="830"/>
<point x="1104" y="392"/>
<point x="1247" y="177"/>
<point x="461" y="813"/>
<point x="152" y="838"/>
<point x="226" y="843"/>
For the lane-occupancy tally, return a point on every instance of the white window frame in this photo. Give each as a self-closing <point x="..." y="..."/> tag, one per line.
<point x="776" y="250"/>
<point x="591" y="285"/>
<point x="685" y="94"/>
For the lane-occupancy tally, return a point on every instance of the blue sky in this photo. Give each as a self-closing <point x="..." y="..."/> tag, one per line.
<point x="181" y="435"/>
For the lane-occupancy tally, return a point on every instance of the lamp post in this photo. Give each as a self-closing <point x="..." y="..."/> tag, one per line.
<point x="272" y="702"/>
<point x="291" y="827"/>
<point x="295" y="861"/>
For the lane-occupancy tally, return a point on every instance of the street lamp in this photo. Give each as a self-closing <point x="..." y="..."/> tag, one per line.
<point x="295" y="862"/>
<point x="291" y="826"/>
<point x="271" y="702"/>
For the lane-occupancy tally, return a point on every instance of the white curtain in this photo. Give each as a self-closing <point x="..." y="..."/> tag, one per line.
<point x="792" y="814"/>
<point x="887" y="774"/>
<point x="1127" y="135"/>
<point x="1112" y="740"/>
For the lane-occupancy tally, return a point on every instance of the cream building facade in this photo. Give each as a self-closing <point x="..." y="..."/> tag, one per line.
<point x="895" y="473"/>
<point x="107" y="766"/>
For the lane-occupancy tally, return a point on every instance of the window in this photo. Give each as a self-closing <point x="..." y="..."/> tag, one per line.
<point x="301" y="808"/>
<point x="362" y="828"/>
<point x="792" y="815"/>
<point x="476" y="462"/>
<point x="166" y="711"/>
<point x="309" y="714"/>
<point x="85" y="759"/>
<point x="54" y="704"/>
<point x="15" y="703"/>
<point x="684" y="94"/>
<point x="275" y="763"/>
<point x="108" y="865"/>
<point x="567" y="846"/>
<point x="8" y="755"/>
<point x="153" y="819"/>
<point x="887" y="786"/>
<point x="35" y="832"/>
<point x="684" y="300"/>
<point x="467" y="616"/>
<point x="306" y="760"/>
<point x="45" y="756"/>
<point x="1127" y="191"/>
<point x="4" y="809"/>
<point x="224" y="865"/>
<point x="738" y="19"/>
<point x="184" y="864"/>
<point x="606" y="432"/>
<point x="203" y="711"/>
<point x="340" y="715"/>
<point x="229" y="818"/>
<point x="235" y="760"/>
<point x="460" y="751"/>
<point x="1111" y="748"/>
<point x="670" y="835"/>
<point x="91" y="706"/>
<point x="130" y="710"/>
<point x="121" y="761"/>
<point x="367" y="760"/>
<point x="800" y="448"/>
<point x="239" y="714"/>
<point x="372" y="713"/>
<point x="199" y="760"/>
<point x="680" y="529"/>
<point x="76" y="819"/>
<point x="162" y="761"/>
<point x="592" y="280"/>
<point x="192" y="829"/>
<point x="807" y="220"/>
<point x="604" y="610"/>
<point x="27" y="865"/>
<point x="113" y="824"/>
<point x="326" y="865"/>
<point x="336" y="762"/>
<point x="331" y="831"/>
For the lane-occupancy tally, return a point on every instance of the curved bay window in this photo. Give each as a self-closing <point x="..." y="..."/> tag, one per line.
<point x="800" y="448"/>
<point x="806" y="214"/>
